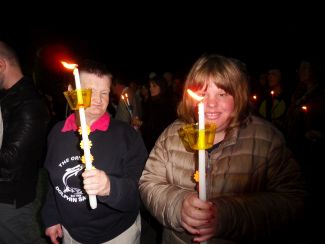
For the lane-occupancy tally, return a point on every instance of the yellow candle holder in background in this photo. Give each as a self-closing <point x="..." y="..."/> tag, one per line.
<point x="74" y="102"/>
<point x="190" y="135"/>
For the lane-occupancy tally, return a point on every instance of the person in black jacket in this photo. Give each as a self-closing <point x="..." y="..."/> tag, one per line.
<point x="25" y="123"/>
<point x="119" y="156"/>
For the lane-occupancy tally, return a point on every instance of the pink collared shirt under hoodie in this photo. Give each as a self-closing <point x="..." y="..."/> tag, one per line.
<point x="101" y="124"/>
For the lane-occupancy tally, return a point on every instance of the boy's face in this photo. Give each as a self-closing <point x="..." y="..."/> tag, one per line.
<point x="100" y="87"/>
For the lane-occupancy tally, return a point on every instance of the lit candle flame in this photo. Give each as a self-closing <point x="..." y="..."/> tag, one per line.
<point x="69" y="66"/>
<point x="304" y="108"/>
<point x="127" y="105"/>
<point x="74" y="67"/>
<point x="194" y="95"/>
<point x="254" y="97"/>
<point x="272" y="93"/>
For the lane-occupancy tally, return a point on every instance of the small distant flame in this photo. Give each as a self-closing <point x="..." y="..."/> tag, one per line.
<point x="254" y="97"/>
<point x="194" y="95"/>
<point x="125" y="102"/>
<point x="126" y="99"/>
<point x="304" y="108"/>
<point x="69" y="66"/>
<point x="272" y="92"/>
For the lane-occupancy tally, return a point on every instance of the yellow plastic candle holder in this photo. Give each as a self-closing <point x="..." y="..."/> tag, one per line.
<point x="79" y="98"/>
<point x="197" y="139"/>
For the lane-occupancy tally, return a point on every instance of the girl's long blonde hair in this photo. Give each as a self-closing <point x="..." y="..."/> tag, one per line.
<point x="228" y="74"/>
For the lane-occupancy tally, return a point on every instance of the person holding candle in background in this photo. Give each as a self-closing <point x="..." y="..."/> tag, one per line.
<point x="25" y="126"/>
<point x="305" y="133"/>
<point x="118" y="154"/>
<point x="275" y="103"/>
<point x="128" y="106"/>
<point x="158" y="112"/>
<point x="255" y="191"/>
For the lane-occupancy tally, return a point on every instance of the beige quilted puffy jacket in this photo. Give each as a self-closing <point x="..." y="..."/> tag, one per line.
<point x="253" y="180"/>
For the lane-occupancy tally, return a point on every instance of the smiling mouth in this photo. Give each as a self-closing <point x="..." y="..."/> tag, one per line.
<point x="212" y="116"/>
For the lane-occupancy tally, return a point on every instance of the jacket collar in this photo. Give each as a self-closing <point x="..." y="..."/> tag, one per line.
<point x="101" y="124"/>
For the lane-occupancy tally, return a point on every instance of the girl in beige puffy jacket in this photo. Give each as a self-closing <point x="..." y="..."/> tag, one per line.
<point x="254" y="187"/>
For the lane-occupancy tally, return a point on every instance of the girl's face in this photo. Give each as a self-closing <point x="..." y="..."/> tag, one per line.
<point x="219" y="106"/>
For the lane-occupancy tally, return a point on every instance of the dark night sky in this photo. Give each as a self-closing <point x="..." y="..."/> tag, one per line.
<point x="137" y="40"/>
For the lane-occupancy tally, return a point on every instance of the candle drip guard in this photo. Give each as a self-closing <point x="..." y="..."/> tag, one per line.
<point x="195" y="139"/>
<point x="74" y="102"/>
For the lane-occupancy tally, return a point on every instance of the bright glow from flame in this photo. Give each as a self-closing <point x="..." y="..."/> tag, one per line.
<point x="254" y="97"/>
<point x="272" y="92"/>
<point x="194" y="95"/>
<point x="304" y="108"/>
<point x="69" y="66"/>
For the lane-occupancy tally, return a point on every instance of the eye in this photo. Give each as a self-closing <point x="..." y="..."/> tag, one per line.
<point x="105" y="93"/>
<point x="223" y="94"/>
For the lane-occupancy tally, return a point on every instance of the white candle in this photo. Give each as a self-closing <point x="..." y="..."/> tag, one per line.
<point x="77" y="78"/>
<point x="84" y="132"/>
<point x="127" y="99"/>
<point x="201" y="116"/>
<point x="127" y="106"/>
<point x="202" y="184"/>
<point x="200" y="144"/>
<point x="123" y="99"/>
